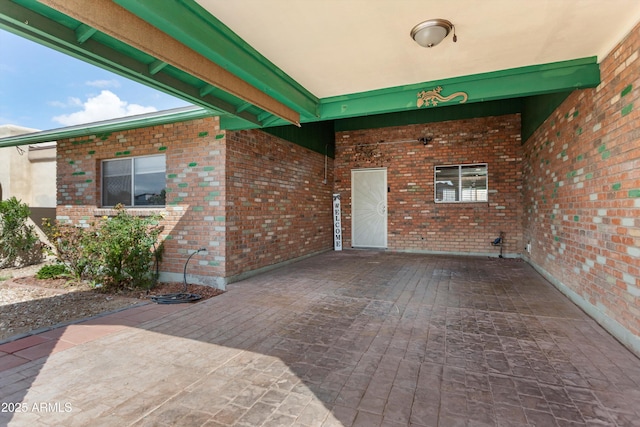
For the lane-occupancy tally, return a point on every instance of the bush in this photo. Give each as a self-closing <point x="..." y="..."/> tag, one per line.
<point x="125" y="247"/>
<point x="117" y="252"/>
<point x="70" y="247"/>
<point x="19" y="244"/>
<point x="53" y="271"/>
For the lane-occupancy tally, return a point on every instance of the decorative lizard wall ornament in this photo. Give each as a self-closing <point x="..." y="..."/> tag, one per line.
<point x="427" y="97"/>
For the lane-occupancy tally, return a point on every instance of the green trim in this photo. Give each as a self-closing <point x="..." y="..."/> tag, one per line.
<point x="50" y="28"/>
<point x="512" y="83"/>
<point x="189" y="23"/>
<point x="116" y="125"/>
<point x="192" y="25"/>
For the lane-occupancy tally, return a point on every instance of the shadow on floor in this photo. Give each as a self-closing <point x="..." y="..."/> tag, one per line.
<point x="352" y="338"/>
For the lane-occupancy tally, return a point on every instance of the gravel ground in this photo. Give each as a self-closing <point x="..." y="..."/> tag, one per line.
<point x="28" y="304"/>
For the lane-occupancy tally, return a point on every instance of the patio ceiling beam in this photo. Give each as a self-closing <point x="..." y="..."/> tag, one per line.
<point x="191" y="24"/>
<point x="506" y="84"/>
<point x="84" y="33"/>
<point x="156" y="66"/>
<point x="38" y="28"/>
<point x="122" y="25"/>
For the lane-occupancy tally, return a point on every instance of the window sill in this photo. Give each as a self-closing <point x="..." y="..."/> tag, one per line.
<point x="460" y="202"/>
<point x="143" y="212"/>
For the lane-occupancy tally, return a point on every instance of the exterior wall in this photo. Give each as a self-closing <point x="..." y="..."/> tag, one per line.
<point x="251" y="199"/>
<point x="582" y="195"/>
<point x="28" y="173"/>
<point x="279" y="208"/>
<point x="194" y="212"/>
<point x="42" y="170"/>
<point x="415" y="221"/>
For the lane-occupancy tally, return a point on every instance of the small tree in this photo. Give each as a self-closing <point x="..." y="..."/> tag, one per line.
<point x="19" y="244"/>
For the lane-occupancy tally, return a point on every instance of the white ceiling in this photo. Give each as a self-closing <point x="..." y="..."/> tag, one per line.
<point x="336" y="47"/>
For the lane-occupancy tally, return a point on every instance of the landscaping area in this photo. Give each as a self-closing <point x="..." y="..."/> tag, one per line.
<point x="82" y="275"/>
<point x="28" y="304"/>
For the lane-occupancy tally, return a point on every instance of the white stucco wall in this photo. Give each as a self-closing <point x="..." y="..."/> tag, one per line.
<point x="28" y="172"/>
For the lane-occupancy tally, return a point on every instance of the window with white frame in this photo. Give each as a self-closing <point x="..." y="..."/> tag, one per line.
<point x="135" y="181"/>
<point x="461" y="183"/>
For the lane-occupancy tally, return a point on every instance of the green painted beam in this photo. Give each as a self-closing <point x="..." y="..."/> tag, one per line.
<point x="233" y="123"/>
<point x="53" y="34"/>
<point x="207" y="89"/>
<point x="84" y="33"/>
<point x="506" y="84"/>
<point x="243" y="107"/>
<point x="270" y="121"/>
<point x="156" y="66"/>
<point x="108" y="126"/>
<point x="195" y="27"/>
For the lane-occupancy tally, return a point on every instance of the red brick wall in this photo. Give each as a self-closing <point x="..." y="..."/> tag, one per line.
<point x="194" y="213"/>
<point x="415" y="221"/>
<point x="278" y="207"/>
<point x="582" y="192"/>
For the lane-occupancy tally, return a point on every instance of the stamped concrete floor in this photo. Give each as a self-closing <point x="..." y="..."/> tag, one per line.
<point x="345" y="339"/>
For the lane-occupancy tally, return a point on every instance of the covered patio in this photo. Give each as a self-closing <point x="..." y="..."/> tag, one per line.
<point x="354" y="338"/>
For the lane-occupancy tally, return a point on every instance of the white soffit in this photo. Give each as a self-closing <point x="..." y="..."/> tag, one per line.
<point x="337" y="47"/>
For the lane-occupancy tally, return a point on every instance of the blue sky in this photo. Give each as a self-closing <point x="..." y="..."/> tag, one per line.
<point x="43" y="89"/>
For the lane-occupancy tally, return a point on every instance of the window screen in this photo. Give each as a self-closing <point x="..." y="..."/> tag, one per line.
<point x="461" y="183"/>
<point x="138" y="181"/>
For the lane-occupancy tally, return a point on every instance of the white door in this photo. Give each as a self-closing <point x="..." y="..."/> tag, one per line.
<point x="369" y="208"/>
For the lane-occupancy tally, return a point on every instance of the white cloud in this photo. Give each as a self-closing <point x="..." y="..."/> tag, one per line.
<point x="103" y="83"/>
<point x="107" y="105"/>
<point x="71" y="102"/>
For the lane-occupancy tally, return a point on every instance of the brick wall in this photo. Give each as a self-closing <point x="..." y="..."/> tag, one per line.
<point x="278" y="206"/>
<point x="194" y="212"/>
<point x="582" y="194"/>
<point x="415" y="221"/>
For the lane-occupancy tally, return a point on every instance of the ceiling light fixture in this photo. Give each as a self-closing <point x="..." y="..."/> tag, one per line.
<point x="430" y="33"/>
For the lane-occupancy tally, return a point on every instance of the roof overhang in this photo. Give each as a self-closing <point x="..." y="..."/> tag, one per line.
<point x="180" y="48"/>
<point x="109" y="126"/>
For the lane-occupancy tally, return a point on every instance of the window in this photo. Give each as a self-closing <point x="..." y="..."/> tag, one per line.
<point x="461" y="183"/>
<point x="137" y="181"/>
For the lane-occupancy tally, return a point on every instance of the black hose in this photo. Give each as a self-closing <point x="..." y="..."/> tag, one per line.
<point x="179" y="297"/>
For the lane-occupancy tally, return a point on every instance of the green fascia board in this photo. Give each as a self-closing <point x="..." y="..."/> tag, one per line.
<point x="192" y="25"/>
<point x="504" y="84"/>
<point x="48" y="27"/>
<point x="109" y="126"/>
<point x="523" y="82"/>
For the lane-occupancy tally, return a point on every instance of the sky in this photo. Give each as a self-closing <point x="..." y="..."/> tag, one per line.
<point x="43" y="89"/>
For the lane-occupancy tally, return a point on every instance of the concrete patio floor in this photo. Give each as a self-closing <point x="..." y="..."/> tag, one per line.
<point x="355" y="338"/>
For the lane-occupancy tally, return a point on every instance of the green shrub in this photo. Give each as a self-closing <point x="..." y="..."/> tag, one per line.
<point x="71" y="247"/>
<point x="53" y="271"/>
<point x="117" y="252"/>
<point x="125" y="248"/>
<point x="19" y="244"/>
